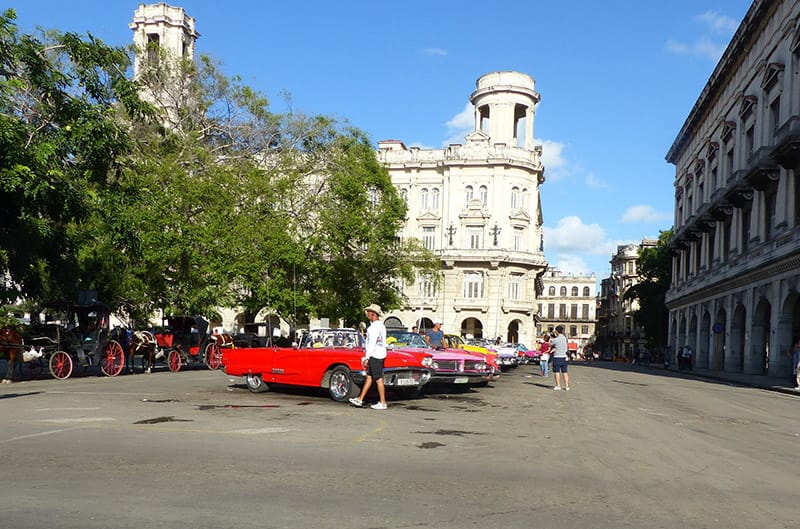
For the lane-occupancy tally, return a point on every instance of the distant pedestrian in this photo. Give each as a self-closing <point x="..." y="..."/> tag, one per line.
<point x="374" y="357"/>
<point x="795" y="354"/>
<point x="558" y="348"/>
<point x="435" y="336"/>
<point x="544" y="355"/>
<point x="667" y="356"/>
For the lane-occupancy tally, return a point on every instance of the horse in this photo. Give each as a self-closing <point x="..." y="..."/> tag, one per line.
<point x="11" y="342"/>
<point x="142" y="343"/>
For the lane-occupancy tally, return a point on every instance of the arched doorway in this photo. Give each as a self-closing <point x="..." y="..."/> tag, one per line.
<point x="705" y="341"/>
<point x="758" y="357"/>
<point x="691" y="339"/>
<point x="472" y="327"/>
<point x="720" y="343"/>
<point x="736" y="352"/>
<point x="788" y="328"/>
<point x="512" y="333"/>
<point x="423" y="324"/>
<point x="393" y="322"/>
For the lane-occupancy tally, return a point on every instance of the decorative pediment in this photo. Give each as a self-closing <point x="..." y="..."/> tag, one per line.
<point x="711" y="150"/>
<point x="429" y="218"/>
<point x="747" y="106"/>
<point x="728" y="128"/>
<point x="772" y="76"/>
<point x="474" y="210"/>
<point x="477" y="136"/>
<point x="520" y="217"/>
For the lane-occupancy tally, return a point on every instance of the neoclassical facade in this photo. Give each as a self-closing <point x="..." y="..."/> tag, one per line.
<point x="569" y="300"/>
<point x="735" y="287"/>
<point x="618" y="333"/>
<point x="477" y="206"/>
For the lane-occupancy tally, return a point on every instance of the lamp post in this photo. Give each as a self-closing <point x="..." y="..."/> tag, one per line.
<point x="450" y="232"/>
<point x="495" y="231"/>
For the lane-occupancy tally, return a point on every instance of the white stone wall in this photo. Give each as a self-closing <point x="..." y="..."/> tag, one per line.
<point x="734" y="294"/>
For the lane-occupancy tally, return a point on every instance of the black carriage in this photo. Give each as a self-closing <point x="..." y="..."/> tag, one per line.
<point x="186" y="340"/>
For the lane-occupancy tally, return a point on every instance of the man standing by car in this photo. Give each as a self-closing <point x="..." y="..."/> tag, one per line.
<point x="558" y="348"/>
<point x="435" y="336"/>
<point x="374" y="358"/>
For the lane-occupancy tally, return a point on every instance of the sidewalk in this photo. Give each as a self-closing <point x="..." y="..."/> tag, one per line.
<point x="780" y="384"/>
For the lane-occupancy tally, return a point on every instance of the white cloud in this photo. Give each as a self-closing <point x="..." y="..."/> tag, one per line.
<point x="718" y="23"/>
<point x="572" y="236"/>
<point x="644" y="213"/>
<point x="592" y="182"/>
<point x="721" y="26"/>
<point x="460" y="125"/>
<point x="439" y="52"/>
<point x="703" y="47"/>
<point x="555" y="165"/>
<point x="571" y="264"/>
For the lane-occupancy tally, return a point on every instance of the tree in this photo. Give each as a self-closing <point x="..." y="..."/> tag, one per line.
<point x="64" y="105"/>
<point x="655" y="271"/>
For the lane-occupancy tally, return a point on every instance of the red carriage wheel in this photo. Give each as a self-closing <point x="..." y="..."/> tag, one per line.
<point x="60" y="365"/>
<point x="174" y="361"/>
<point x="112" y="359"/>
<point x="213" y="356"/>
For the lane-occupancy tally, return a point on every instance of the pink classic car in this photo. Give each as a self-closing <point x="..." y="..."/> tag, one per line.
<point x="450" y="366"/>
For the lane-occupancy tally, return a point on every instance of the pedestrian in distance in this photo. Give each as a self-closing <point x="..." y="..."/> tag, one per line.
<point x="374" y="357"/>
<point x="544" y="355"/>
<point x="794" y="353"/>
<point x="435" y="336"/>
<point x="558" y="349"/>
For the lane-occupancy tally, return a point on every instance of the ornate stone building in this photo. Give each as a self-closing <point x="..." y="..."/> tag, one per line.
<point x="735" y="294"/>
<point x="477" y="206"/>
<point x="618" y="334"/>
<point x="569" y="300"/>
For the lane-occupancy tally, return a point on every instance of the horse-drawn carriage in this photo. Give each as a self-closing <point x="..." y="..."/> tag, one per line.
<point x="83" y="337"/>
<point x="184" y="340"/>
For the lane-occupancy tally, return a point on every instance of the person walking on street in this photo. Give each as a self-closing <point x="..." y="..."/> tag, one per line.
<point x="544" y="355"/>
<point x="374" y="358"/>
<point x="435" y="336"/>
<point x="558" y="348"/>
<point x="795" y="354"/>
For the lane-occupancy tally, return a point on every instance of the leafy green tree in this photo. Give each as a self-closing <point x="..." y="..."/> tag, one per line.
<point x="64" y="105"/>
<point x="655" y="270"/>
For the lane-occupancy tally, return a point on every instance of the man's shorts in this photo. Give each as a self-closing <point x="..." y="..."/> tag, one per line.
<point x="375" y="368"/>
<point x="559" y="365"/>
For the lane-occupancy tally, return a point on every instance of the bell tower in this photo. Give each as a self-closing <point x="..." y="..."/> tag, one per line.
<point x="165" y="26"/>
<point x="504" y="108"/>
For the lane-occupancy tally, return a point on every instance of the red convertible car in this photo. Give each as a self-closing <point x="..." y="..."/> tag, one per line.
<point x="328" y="358"/>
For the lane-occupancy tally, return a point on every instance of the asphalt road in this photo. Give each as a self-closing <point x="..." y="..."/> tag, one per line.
<point x="624" y="448"/>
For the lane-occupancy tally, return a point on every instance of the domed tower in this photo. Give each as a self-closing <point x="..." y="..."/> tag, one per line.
<point x="168" y="27"/>
<point x="504" y="107"/>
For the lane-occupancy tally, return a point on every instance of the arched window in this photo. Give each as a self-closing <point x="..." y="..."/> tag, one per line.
<point x="551" y="291"/>
<point x="468" y="193"/>
<point x="484" y="195"/>
<point x="563" y="292"/>
<point x="423" y="199"/>
<point x="435" y="198"/>
<point x="515" y="200"/>
<point x="586" y="291"/>
<point x="574" y="292"/>
<point x="404" y="195"/>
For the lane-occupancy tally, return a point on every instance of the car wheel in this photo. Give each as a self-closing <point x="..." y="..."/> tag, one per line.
<point x="341" y="386"/>
<point x="255" y="383"/>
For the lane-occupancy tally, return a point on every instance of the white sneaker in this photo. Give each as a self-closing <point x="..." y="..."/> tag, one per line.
<point x="355" y="401"/>
<point x="567" y="388"/>
<point x="557" y="388"/>
<point x="379" y="406"/>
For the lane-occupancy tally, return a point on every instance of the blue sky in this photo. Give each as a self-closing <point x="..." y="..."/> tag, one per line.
<point x="617" y="80"/>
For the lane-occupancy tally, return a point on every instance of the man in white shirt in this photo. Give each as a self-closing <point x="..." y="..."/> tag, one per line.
<point x="558" y="348"/>
<point x="374" y="357"/>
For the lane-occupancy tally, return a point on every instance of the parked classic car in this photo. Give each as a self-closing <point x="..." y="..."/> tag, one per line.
<point x="450" y="366"/>
<point x="328" y="358"/>
<point x="454" y="341"/>
<point x="506" y="356"/>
